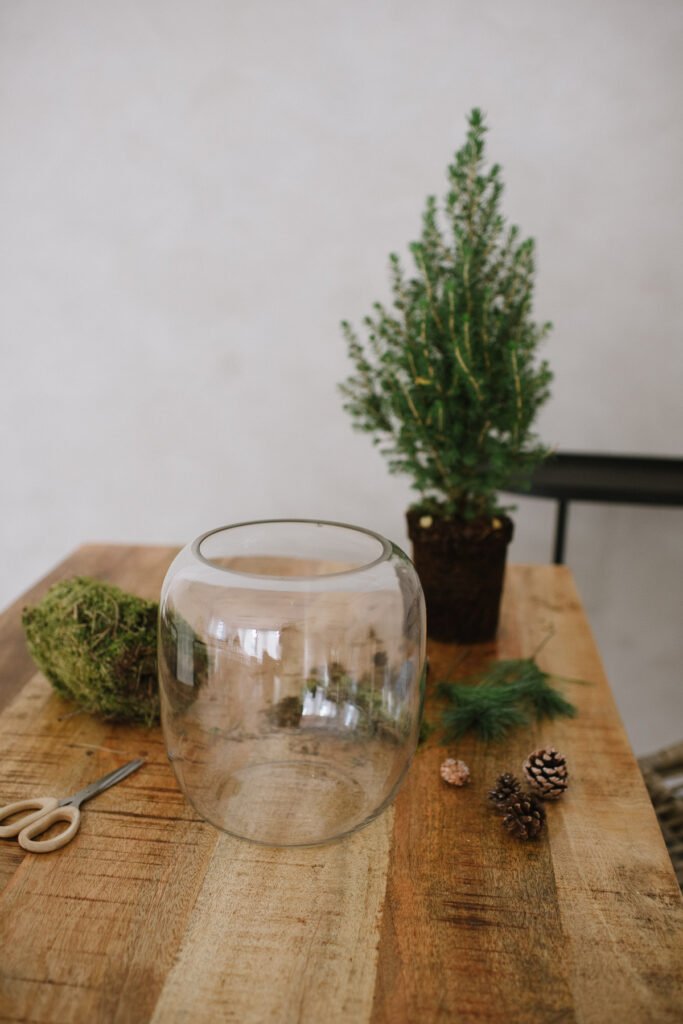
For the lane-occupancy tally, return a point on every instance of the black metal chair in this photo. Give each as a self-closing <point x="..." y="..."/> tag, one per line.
<point x="587" y="476"/>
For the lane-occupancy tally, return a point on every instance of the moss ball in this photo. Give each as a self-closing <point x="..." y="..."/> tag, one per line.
<point x="97" y="646"/>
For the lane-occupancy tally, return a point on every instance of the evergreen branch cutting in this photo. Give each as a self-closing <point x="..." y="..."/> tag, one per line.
<point x="509" y="693"/>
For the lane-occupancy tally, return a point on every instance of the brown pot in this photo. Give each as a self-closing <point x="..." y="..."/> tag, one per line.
<point x="461" y="566"/>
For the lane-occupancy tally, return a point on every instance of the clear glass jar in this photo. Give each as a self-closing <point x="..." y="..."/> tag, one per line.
<point x="291" y="658"/>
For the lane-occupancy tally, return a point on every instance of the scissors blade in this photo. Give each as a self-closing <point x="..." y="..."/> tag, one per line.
<point x="104" y="783"/>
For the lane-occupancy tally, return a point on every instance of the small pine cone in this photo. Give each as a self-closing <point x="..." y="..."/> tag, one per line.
<point x="507" y="786"/>
<point x="456" y="773"/>
<point x="546" y="772"/>
<point x="524" y="816"/>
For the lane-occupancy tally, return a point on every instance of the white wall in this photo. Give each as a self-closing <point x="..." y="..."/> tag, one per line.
<point x="193" y="194"/>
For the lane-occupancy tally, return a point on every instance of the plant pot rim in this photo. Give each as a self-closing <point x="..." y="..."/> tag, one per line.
<point x="421" y="512"/>
<point x="459" y="535"/>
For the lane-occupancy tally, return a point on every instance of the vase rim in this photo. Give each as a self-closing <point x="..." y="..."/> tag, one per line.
<point x="383" y="556"/>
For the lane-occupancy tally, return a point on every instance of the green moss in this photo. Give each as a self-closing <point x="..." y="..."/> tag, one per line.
<point x="97" y="646"/>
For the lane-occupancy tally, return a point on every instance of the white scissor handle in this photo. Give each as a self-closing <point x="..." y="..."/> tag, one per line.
<point x="40" y="805"/>
<point x="66" y="813"/>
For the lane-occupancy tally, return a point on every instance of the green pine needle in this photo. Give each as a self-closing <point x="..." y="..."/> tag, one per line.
<point x="489" y="714"/>
<point x="548" y="703"/>
<point x="507" y="694"/>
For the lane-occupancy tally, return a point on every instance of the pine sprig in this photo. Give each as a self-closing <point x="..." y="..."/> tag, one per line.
<point x="507" y="694"/>
<point x="490" y="712"/>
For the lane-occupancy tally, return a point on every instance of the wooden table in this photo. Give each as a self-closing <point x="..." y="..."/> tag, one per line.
<point x="431" y="913"/>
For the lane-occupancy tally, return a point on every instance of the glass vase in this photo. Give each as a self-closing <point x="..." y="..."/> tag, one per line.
<point x="291" y="659"/>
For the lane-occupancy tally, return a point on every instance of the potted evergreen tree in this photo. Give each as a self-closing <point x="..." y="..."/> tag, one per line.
<point x="449" y="384"/>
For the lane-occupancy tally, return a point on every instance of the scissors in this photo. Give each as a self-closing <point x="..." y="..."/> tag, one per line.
<point x="47" y="810"/>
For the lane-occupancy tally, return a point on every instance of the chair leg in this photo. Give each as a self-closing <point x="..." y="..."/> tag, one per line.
<point x="560" y="531"/>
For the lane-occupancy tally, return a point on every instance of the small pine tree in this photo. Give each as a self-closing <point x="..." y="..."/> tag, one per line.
<point x="447" y="381"/>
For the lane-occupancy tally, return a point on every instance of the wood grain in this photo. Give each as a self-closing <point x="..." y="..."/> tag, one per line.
<point x="283" y="935"/>
<point x="89" y="932"/>
<point x="432" y="913"/>
<point x="584" y="926"/>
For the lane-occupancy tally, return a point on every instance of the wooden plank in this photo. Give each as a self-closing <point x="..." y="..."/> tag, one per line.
<point x="283" y="935"/>
<point x="471" y="928"/>
<point x="89" y="932"/>
<point x="432" y="913"/>
<point x="478" y="926"/>
<point x="619" y="901"/>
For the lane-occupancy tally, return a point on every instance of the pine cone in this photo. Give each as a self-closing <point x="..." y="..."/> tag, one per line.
<point x="456" y="773"/>
<point x="546" y="772"/>
<point x="507" y="786"/>
<point x="524" y="816"/>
